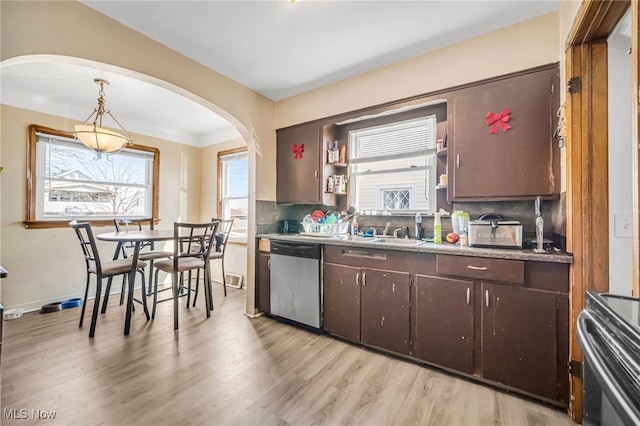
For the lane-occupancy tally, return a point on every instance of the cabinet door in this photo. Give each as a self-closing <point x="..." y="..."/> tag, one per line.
<point x="521" y="162"/>
<point x="341" y="301"/>
<point x="298" y="179"/>
<point x="386" y="310"/>
<point x="519" y="338"/>
<point x="444" y="322"/>
<point x="263" y="283"/>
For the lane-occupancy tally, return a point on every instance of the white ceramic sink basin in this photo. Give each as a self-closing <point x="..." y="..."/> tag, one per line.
<point x="399" y="241"/>
<point x="360" y="238"/>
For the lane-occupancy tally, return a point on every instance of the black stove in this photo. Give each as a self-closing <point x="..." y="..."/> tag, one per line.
<point x="609" y="335"/>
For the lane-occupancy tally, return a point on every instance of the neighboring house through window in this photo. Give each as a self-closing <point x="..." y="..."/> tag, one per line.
<point x="233" y="193"/>
<point x="69" y="181"/>
<point x="392" y="166"/>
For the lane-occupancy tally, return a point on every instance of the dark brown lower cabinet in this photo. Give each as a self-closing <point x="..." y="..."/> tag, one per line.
<point x="519" y="338"/>
<point x="444" y="318"/>
<point x="263" y="282"/>
<point x="501" y="321"/>
<point x="385" y="312"/>
<point x="341" y="301"/>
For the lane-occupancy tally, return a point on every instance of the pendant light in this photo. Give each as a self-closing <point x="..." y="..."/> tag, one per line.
<point x="93" y="135"/>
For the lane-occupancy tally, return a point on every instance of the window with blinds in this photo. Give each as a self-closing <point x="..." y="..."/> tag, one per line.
<point x="72" y="182"/>
<point x="392" y="166"/>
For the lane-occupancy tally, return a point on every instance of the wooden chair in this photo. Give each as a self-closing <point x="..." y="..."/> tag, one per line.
<point x="192" y="243"/>
<point x="107" y="269"/>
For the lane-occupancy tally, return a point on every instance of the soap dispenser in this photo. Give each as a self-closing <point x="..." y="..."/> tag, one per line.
<point x="437" y="229"/>
<point x="418" y="226"/>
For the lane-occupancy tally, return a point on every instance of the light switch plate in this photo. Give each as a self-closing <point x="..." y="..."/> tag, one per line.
<point x="622" y="223"/>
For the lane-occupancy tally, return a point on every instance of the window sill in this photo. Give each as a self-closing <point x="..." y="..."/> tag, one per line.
<point x="44" y="224"/>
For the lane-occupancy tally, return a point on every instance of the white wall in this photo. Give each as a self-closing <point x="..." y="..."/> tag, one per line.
<point x="620" y="154"/>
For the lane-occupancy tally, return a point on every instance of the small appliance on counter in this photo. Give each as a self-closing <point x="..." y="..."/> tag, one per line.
<point x="288" y="226"/>
<point x="491" y="230"/>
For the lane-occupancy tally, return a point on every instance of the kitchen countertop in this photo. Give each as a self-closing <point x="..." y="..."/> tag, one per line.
<point x="444" y="248"/>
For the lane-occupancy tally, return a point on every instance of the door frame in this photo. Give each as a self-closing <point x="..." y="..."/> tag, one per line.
<point x="587" y="164"/>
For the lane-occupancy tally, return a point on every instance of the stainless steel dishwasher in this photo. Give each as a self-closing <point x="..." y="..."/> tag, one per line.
<point x="295" y="282"/>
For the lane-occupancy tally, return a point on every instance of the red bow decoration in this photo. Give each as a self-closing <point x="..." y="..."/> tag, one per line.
<point x="501" y="119"/>
<point x="297" y="151"/>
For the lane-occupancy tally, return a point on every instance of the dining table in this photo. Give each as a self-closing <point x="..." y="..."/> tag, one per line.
<point x="137" y="238"/>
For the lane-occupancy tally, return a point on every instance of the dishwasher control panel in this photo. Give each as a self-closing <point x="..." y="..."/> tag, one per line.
<point x="307" y="251"/>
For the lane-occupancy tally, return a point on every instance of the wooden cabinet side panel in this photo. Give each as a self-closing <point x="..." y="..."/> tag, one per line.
<point x="444" y="318"/>
<point x="386" y="310"/>
<point x="263" y="281"/>
<point x="519" y="338"/>
<point x="341" y="301"/>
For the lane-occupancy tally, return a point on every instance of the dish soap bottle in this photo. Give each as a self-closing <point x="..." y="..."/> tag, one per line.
<point x="418" y="226"/>
<point x="437" y="229"/>
<point x="354" y="226"/>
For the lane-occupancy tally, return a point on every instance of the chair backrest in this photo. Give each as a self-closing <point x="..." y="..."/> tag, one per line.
<point x="193" y="240"/>
<point x="225" y="230"/>
<point x="126" y="224"/>
<point x="88" y="244"/>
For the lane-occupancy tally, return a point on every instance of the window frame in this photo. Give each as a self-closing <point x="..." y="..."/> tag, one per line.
<point x="220" y="178"/>
<point x="392" y="120"/>
<point x="31" y="222"/>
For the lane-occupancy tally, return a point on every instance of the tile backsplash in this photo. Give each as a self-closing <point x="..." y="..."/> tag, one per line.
<point x="553" y="213"/>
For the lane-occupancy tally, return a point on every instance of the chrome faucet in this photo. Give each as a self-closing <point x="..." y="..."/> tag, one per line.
<point x="372" y="229"/>
<point x="386" y="229"/>
<point x="406" y="232"/>
<point x="395" y="232"/>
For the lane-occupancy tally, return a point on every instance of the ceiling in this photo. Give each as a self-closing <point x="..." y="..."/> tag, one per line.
<point x="275" y="47"/>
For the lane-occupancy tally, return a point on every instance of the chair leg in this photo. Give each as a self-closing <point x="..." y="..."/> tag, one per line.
<point x="84" y="302"/>
<point x="125" y="279"/>
<point x="143" y="292"/>
<point x="106" y="295"/>
<point x="224" y="278"/>
<point x="175" y="290"/>
<point x="195" y="294"/>
<point x="150" y="290"/>
<point x="96" y="306"/>
<point x="207" y="293"/>
<point x="189" y="288"/>
<point x="155" y="294"/>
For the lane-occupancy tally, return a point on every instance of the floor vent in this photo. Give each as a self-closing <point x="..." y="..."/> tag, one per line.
<point x="233" y="280"/>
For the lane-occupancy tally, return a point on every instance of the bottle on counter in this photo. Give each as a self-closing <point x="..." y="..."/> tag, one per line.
<point x="418" y="226"/>
<point x="330" y="186"/>
<point x="437" y="229"/>
<point x="354" y="226"/>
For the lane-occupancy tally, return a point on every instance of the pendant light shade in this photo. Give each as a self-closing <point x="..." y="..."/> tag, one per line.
<point x="94" y="136"/>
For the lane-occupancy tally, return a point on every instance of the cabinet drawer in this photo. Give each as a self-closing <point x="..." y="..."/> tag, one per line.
<point x="481" y="268"/>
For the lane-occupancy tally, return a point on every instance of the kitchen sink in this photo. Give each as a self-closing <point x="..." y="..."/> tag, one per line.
<point x="359" y="238"/>
<point x="399" y="241"/>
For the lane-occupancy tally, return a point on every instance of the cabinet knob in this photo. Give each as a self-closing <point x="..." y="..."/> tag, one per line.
<point x="468" y="295"/>
<point x="486" y="297"/>
<point x="457" y="161"/>
<point x="269" y="264"/>
<point x="364" y="279"/>
<point x="316" y="174"/>
<point x="358" y="278"/>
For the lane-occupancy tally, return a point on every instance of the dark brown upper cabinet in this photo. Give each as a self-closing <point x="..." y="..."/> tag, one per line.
<point x="302" y="176"/>
<point x="520" y="161"/>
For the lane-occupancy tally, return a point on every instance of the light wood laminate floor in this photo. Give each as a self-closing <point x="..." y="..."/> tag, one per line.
<point x="229" y="370"/>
